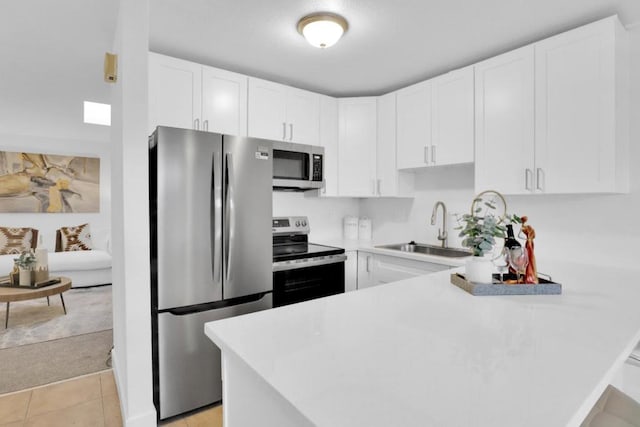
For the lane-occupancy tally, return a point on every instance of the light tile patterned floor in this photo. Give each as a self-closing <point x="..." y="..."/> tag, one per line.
<point x="87" y="401"/>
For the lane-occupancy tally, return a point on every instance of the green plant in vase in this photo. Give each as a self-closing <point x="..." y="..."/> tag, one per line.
<point x="26" y="263"/>
<point x="479" y="230"/>
<point x="26" y="260"/>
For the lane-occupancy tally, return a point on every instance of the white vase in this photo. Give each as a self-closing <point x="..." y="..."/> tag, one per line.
<point x="478" y="270"/>
<point x="25" y="277"/>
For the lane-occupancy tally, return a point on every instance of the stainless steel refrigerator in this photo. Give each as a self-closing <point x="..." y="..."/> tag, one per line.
<point x="211" y="253"/>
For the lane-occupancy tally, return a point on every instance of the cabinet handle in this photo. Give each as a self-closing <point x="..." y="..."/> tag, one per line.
<point x="378" y="189"/>
<point x="284" y="131"/>
<point x="426" y="154"/>
<point x="433" y="154"/>
<point x="528" y="174"/>
<point x="540" y="178"/>
<point x="196" y="124"/>
<point x="368" y="259"/>
<point x="205" y="125"/>
<point x="290" y="131"/>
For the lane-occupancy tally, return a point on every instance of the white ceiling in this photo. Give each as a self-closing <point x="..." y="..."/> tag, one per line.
<point x="389" y="44"/>
<point x="52" y="51"/>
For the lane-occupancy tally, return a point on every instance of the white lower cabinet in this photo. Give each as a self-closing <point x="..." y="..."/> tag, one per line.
<point x="375" y="269"/>
<point x="351" y="271"/>
<point x="365" y="270"/>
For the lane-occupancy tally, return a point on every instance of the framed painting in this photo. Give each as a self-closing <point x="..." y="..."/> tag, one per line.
<point x="48" y="183"/>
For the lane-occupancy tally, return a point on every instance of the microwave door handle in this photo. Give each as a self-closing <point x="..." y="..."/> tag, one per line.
<point x="229" y="214"/>
<point x="290" y="131"/>
<point x="216" y="209"/>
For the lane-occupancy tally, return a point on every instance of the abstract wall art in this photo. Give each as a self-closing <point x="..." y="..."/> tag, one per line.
<point x="49" y="183"/>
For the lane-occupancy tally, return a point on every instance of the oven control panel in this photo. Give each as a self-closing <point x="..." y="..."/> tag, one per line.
<point x="290" y="225"/>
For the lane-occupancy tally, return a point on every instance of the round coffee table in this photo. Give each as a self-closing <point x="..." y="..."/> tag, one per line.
<point x="10" y="295"/>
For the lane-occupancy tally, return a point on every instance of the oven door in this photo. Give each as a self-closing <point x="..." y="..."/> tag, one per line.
<point x="308" y="279"/>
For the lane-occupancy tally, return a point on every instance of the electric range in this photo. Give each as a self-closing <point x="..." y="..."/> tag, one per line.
<point x="303" y="270"/>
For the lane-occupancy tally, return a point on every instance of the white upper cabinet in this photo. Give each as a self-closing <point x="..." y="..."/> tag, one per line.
<point x="283" y="113"/>
<point x="452" y="118"/>
<point x="267" y="110"/>
<point x="581" y="123"/>
<point x="329" y="140"/>
<point x="413" y="125"/>
<point x="187" y="95"/>
<point x="174" y="92"/>
<point x="504" y="123"/>
<point x="303" y="116"/>
<point x="357" y="146"/>
<point x="435" y="121"/>
<point x="390" y="182"/>
<point x="553" y="117"/>
<point x="224" y="102"/>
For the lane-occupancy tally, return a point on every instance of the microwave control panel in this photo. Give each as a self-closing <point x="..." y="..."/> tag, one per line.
<point x="317" y="167"/>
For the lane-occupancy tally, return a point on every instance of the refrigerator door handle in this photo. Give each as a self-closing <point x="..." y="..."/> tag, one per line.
<point x="229" y="214"/>
<point x="216" y="208"/>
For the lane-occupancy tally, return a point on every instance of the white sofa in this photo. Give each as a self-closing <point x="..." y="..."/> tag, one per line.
<point x="84" y="268"/>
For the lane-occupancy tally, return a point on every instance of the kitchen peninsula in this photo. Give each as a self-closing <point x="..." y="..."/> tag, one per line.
<point x="422" y="352"/>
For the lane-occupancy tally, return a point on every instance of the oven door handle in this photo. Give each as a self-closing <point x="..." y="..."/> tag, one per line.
<point x="312" y="262"/>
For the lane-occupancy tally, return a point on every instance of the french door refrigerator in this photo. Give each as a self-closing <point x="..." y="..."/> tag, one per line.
<point x="211" y="254"/>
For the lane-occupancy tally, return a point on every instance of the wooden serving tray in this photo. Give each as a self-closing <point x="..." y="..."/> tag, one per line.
<point x="545" y="287"/>
<point x="6" y="283"/>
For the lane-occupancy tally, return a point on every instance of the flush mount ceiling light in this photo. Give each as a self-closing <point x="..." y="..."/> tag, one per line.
<point x="322" y="29"/>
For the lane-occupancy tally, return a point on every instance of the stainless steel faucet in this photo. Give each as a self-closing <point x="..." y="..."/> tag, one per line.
<point x="442" y="233"/>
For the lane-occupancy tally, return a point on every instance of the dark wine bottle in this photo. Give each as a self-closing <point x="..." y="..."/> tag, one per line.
<point x="510" y="241"/>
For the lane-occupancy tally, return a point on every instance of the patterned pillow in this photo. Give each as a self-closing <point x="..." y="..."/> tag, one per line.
<point x="74" y="239"/>
<point x="15" y="240"/>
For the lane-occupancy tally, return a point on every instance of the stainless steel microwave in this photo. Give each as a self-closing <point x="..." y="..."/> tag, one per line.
<point x="297" y="167"/>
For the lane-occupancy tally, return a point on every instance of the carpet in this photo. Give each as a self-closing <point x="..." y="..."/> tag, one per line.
<point x="88" y="310"/>
<point x="32" y="365"/>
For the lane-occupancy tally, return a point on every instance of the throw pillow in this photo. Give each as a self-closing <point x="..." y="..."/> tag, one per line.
<point x="75" y="238"/>
<point x="15" y="240"/>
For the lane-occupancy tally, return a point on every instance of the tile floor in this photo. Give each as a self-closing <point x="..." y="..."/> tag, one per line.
<point x="87" y="401"/>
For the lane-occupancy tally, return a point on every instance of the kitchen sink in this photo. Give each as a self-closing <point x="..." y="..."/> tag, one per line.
<point x="425" y="249"/>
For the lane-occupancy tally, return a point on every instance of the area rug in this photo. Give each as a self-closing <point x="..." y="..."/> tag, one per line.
<point x="46" y="362"/>
<point x="88" y="310"/>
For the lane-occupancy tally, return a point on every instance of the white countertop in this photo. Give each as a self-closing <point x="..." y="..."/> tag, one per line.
<point x="422" y="352"/>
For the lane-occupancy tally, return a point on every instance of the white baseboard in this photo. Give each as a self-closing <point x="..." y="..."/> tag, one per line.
<point x="146" y="417"/>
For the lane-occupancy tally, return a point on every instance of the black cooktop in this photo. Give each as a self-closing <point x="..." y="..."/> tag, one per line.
<point x="288" y="252"/>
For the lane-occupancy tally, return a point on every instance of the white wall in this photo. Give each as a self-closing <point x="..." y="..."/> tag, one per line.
<point x="130" y="218"/>
<point x="48" y="223"/>
<point x="582" y="228"/>
<point x="325" y="214"/>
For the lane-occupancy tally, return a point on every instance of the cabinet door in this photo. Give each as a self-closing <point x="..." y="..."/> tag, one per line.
<point x="351" y="271"/>
<point x="575" y="110"/>
<point x="391" y="269"/>
<point x="329" y="140"/>
<point x="357" y="146"/>
<point x="267" y="110"/>
<point x="452" y="118"/>
<point x="413" y="125"/>
<point x="504" y="123"/>
<point x="387" y="183"/>
<point x="390" y="182"/>
<point x="224" y="102"/>
<point x="174" y="92"/>
<point x="303" y="118"/>
<point x="365" y="270"/>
